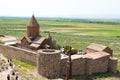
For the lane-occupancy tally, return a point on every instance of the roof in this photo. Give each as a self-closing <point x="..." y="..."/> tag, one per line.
<point x="35" y="45"/>
<point x="33" y="22"/>
<point x="39" y="40"/>
<point x="97" y="55"/>
<point x="96" y="47"/>
<point x="27" y="38"/>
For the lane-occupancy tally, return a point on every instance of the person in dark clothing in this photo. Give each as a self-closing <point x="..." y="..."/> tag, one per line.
<point x="8" y="77"/>
<point x="16" y="78"/>
<point x="11" y="64"/>
<point x="13" y="72"/>
<point x="9" y="60"/>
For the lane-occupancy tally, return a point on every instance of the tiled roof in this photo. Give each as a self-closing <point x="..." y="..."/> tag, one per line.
<point x="96" y="47"/>
<point x="33" y="22"/>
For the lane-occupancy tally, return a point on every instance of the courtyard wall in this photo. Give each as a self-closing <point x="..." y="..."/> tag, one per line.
<point x="78" y="66"/>
<point x="100" y="64"/>
<point x="52" y="64"/>
<point x="20" y="54"/>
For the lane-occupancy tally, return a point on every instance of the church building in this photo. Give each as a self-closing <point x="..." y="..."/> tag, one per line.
<point x="33" y="40"/>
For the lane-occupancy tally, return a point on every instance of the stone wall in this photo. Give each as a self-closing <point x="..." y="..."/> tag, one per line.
<point x="20" y="54"/>
<point x="113" y="65"/>
<point x="80" y="65"/>
<point x="87" y="65"/>
<point x="51" y="64"/>
<point x="100" y="64"/>
<point x="63" y="64"/>
<point x="48" y="63"/>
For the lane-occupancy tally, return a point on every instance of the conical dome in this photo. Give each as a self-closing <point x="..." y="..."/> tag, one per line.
<point x="33" y="22"/>
<point x="49" y="36"/>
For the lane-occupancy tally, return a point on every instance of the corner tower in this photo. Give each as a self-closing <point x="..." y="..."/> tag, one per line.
<point x="32" y="28"/>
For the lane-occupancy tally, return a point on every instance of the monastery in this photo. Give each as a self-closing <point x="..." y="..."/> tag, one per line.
<point x="52" y="63"/>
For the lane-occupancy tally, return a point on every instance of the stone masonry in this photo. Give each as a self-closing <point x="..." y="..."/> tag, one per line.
<point x="48" y="63"/>
<point x="52" y="63"/>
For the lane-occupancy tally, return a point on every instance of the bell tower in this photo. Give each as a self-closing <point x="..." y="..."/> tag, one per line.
<point x="32" y="28"/>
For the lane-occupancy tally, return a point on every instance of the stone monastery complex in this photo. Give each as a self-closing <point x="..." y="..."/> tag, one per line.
<point x="51" y="63"/>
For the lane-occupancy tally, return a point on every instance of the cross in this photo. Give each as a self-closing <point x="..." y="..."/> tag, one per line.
<point x="69" y="65"/>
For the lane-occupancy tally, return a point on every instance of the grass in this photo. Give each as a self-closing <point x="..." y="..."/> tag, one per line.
<point x="1" y="42"/>
<point x="77" y="33"/>
<point x="23" y="64"/>
<point x="26" y="71"/>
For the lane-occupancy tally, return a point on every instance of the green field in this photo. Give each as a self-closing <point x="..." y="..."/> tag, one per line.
<point x="78" y="33"/>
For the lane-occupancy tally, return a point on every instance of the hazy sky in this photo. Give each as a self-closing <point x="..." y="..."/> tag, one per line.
<point x="61" y="8"/>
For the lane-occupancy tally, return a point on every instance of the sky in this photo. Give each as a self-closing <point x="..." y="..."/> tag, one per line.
<point x="61" y="8"/>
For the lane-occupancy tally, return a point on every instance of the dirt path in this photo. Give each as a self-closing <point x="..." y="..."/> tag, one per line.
<point x="8" y="38"/>
<point x="3" y="74"/>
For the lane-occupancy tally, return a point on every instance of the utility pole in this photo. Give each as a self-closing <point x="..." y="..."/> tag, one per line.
<point x="69" y="65"/>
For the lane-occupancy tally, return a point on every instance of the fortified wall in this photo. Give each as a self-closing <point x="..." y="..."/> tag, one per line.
<point x="53" y="64"/>
<point x="18" y="53"/>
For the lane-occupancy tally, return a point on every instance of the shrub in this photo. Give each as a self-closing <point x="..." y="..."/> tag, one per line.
<point x="73" y="51"/>
<point x="57" y="46"/>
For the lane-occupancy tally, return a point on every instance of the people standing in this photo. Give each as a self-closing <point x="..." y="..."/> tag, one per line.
<point x="8" y="77"/>
<point x="16" y="78"/>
